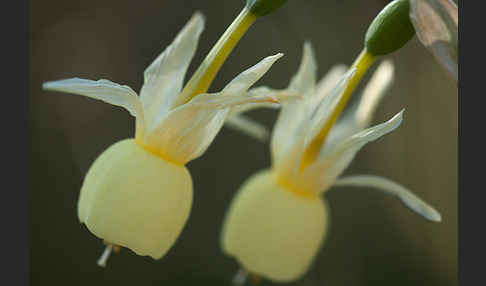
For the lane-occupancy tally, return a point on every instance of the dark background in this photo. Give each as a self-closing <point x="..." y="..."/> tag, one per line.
<point x="373" y="239"/>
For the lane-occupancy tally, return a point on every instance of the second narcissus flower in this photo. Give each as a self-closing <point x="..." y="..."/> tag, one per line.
<point x="138" y="193"/>
<point x="278" y="220"/>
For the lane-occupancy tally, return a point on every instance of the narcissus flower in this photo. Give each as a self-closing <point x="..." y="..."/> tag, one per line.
<point x="138" y="193"/>
<point x="279" y="218"/>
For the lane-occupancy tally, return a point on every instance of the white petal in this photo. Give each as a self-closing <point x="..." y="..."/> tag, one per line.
<point x="298" y="123"/>
<point x="358" y="140"/>
<point x="409" y="199"/>
<point x="246" y="79"/>
<point x="186" y="132"/>
<point x="248" y="126"/>
<point x="359" y="116"/>
<point x="164" y="78"/>
<point x="280" y="95"/>
<point x="320" y="175"/>
<point x="436" y="24"/>
<point x="104" y="90"/>
<point x="305" y="78"/>
<point x="189" y="129"/>
<point x="293" y="115"/>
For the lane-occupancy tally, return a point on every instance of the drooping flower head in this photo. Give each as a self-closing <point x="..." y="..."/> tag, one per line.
<point x="278" y="219"/>
<point x="138" y="193"/>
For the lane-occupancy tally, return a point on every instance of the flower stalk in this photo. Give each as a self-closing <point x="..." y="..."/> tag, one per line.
<point x="390" y="30"/>
<point x="205" y="74"/>
<point x="362" y="63"/>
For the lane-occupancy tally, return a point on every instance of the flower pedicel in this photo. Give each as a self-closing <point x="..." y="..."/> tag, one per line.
<point x="278" y="219"/>
<point x="138" y="192"/>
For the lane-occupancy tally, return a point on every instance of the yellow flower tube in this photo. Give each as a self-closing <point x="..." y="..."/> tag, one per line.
<point x="138" y="193"/>
<point x="279" y="218"/>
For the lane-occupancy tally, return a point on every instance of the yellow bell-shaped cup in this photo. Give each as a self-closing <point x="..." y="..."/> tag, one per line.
<point x="135" y="199"/>
<point x="274" y="232"/>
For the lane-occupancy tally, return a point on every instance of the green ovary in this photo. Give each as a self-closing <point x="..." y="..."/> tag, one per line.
<point x="274" y="232"/>
<point x="135" y="199"/>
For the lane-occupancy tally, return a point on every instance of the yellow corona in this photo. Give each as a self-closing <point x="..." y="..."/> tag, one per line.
<point x="279" y="219"/>
<point x="138" y="193"/>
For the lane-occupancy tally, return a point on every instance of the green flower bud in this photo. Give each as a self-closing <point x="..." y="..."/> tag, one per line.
<point x="263" y="7"/>
<point x="390" y="30"/>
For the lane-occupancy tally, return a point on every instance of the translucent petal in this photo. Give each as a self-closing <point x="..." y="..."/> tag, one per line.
<point x="248" y="126"/>
<point x="104" y="90"/>
<point x="246" y="79"/>
<point x="186" y="132"/>
<point x="164" y="78"/>
<point x="305" y="78"/>
<point x="280" y="95"/>
<point x="358" y="116"/>
<point x="409" y="199"/>
<point x="436" y="25"/>
<point x="293" y="115"/>
<point x="298" y="123"/>
<point x="319" y="176"/>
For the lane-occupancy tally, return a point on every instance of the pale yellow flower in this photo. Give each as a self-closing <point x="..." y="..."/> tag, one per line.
<point x="279" y="218"/>
<point x="138" y="193"/>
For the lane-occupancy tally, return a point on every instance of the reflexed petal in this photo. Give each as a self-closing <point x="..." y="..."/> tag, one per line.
<point x="320" y="175"/>
<point x="248" y="126"/>
<point x="359" y="116"/>
<point x="305" y="78"/>
<point x="164" y="78"/>
<point x="294" y="114"/>
<point x="186" y="132"/>
<point x="189" y="129"/>
<point x="298" y="123"/>
<point x="409" y="199"/>
<point x="436" y="25"/>
<point x="105" y="90"/>
<point x="281" y="95"/>
<point x="246" y="79"/>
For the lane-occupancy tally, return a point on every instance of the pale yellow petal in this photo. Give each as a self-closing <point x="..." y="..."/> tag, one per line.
<point x="408" y="198"/>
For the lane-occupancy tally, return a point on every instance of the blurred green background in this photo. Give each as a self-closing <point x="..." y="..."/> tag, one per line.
<point x="373" y="239"/>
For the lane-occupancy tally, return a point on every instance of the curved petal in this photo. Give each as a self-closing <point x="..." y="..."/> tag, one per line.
<point x="294" y="113"/>
<point x="305" y="78"/>
<point x="281" y="95"/>
<point x="246" y="79"/>
<point x="436" y="25"/>
<point x="319" y="176"/>
<point x="408" y="199"/>
<point x="186" y="132"/>
<point x="164" y="78"/>
<point x="104" y="90"/>
<point x="298" y="123"/>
